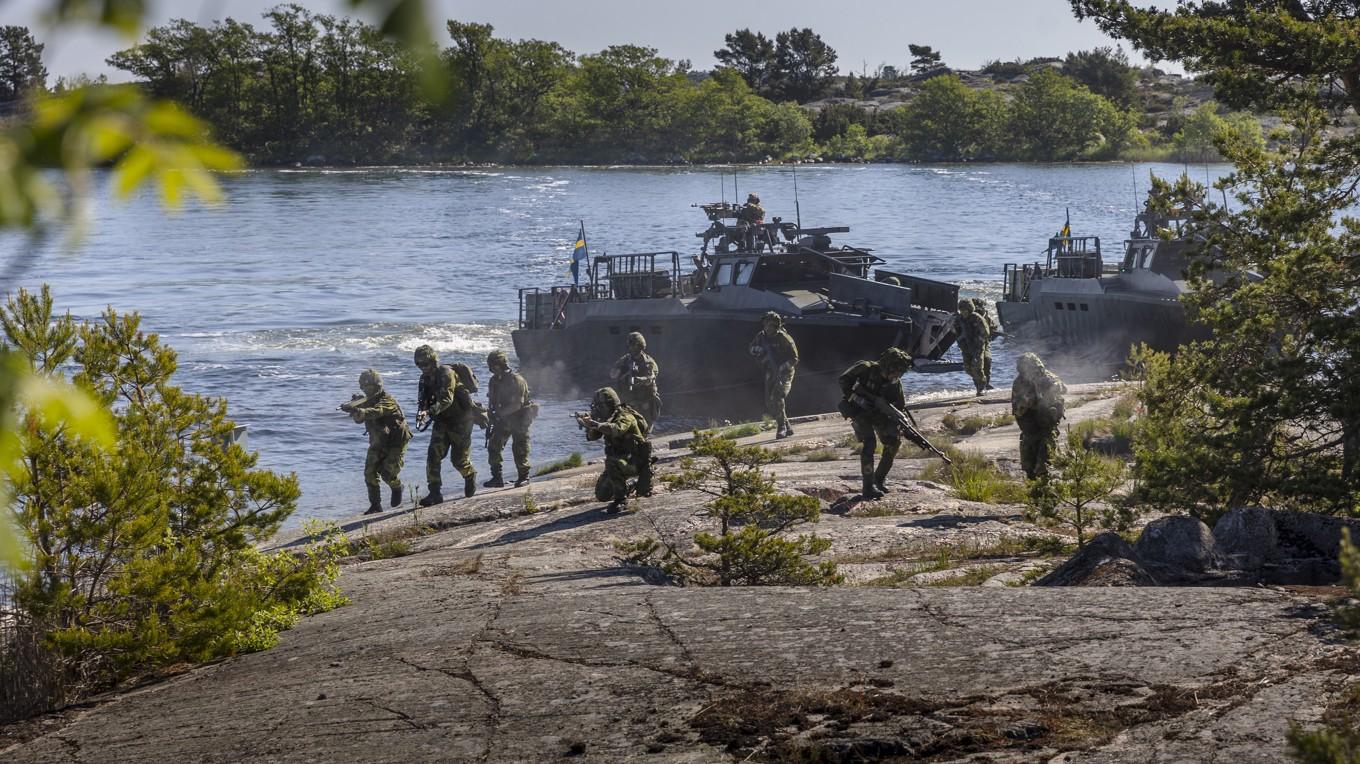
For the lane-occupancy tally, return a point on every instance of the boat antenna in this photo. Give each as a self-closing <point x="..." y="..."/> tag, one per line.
<point x="797" y="210"/>
<point x="722" y="187"/>
<point x="736" y="195"/>
<point x="1133" y="166"/>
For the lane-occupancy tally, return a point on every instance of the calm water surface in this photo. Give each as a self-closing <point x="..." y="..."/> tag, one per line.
<point x="278" y="298"/>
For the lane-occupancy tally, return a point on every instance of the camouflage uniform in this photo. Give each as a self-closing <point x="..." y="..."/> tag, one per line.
<point x="751" y="216"/>
<point x="627" y="452"/>
<point x="980" y="307"/>
<point x="387" y="438"/>
<point x="452" y="413"/>
<point x="881" y="378"/>
<point x="778" y="354"/>
<point x="635" y="376"/>
<point x="511" y="414"/>
<point x="975" y="342"/>
<point x="1037" y="403"/>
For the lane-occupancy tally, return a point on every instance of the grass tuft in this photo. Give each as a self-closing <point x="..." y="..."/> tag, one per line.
<point x="571" y="462"/>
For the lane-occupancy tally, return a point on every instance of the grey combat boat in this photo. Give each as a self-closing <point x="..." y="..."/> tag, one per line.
<point x="1079" y="303"/>
<point x="700" y="313"/>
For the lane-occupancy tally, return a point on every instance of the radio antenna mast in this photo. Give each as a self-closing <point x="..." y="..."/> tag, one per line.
<point x="797" y="209"/>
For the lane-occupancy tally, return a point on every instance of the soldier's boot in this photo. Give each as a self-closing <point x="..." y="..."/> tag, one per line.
<point x="643" y="486"/>
<point x="496" y="480"/>
<point x="868" y="490"/>
<point x="396" y="494"/>
<point x="433" y="497"/>
<point x="788" y="429"/>
<point x="374" y="500"/>
<point x="522" y="479"/>
<point x="617" y="505"/>
<point x="781" y="432"/>
<point x="470" y="485"/>
<point x="881" y="474"/>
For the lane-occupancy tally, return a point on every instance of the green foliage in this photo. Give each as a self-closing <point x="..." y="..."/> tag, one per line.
<point x="1054" y="118"/>
<point x="1077" y="480"/>
<point x="1197" y="138"/>
<point x="21" y="66"/>
<point x="749" y="546"/>
<point x="751" y="55"/>
<point x="1105" y="72"/>
<point x="1338" y="741"/>
<point x="975" y="478"/>
<point x="926" y="61"/>
<point x="570" y="462"/>
<point x="143" y="555"/>
<point x="949" y="121"/>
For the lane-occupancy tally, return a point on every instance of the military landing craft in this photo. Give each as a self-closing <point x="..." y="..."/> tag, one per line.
<point x="1078" y="302"/>
<point x="699" y="314"/>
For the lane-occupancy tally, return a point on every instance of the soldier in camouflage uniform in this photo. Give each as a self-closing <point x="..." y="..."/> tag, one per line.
<point x="980" y="307"/>
<point x="882" y="379"/>
<point x="750" y="218"/>
<point x="627" y="452"/>
<point x="975" y="342"/>
<point x="635" y="381"/>
<point x="388" y="435"/>
<point x="777" y="353"/>
<point x="449" y="406"/>
<point x="511" y="413"/>
<point x="1037" y="403"/>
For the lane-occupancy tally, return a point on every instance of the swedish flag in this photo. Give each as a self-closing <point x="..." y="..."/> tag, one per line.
<point x="579" y="254"/>
<point x="1067" y="227"/>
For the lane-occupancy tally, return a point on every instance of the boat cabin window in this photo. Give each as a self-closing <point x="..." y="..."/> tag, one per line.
<point x="1137" y="256"/>
<point x="742" y="276"/>
<point x="724" y="275"/>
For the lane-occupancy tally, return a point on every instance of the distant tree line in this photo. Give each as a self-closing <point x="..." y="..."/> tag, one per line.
<point x="308" y="87"/>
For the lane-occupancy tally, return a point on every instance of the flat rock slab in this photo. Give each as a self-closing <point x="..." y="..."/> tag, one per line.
<point x="514" y="635"/>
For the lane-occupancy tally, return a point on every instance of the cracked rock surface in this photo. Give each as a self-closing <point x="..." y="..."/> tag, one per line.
<point x="509" y="637"/>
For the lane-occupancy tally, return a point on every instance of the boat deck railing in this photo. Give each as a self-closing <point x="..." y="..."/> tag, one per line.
<point x="632" y="276"/>
<point x="1069" y="257"/>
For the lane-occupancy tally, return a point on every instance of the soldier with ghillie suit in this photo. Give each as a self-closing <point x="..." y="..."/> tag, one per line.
<point x="975" y="343"/>
<point x="777" y="353"/>
<point x="449" y="406"/>
<point x="511" y="413"/>
<point x="635" y="381"/>
<point x="875" y="379"/>
<point x="1037" y="403"/>
<point x="627" y="452"/>
<point x="388" y="435"/>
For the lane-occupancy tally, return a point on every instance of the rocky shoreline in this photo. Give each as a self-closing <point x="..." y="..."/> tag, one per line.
<point x="511" y="631"/>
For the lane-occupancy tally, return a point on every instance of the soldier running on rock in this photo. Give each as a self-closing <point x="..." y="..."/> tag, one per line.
<point x="511" y="413"/>
<point x="1038" y="406"/>
<point x="449" y="406"/>
<point x="778" y="355"/>
<point x="388" y="435"/>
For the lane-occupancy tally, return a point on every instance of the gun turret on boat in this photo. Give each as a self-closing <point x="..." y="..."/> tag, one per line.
<point x="700" y="312"/>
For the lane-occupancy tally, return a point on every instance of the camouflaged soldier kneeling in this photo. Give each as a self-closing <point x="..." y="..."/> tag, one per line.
<point x="627" y="452"/>
<point x="388" y="435"/>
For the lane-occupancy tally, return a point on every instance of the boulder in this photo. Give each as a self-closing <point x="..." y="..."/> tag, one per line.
<point x="1246" y="537"/>
<point x="1177" y="549"/>
<point x="1106" y="560"/>
<point x="1307" y="534"/>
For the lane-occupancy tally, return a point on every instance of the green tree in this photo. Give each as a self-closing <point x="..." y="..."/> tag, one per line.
<point x="926" y="61"/>
<point x="21" y="66"/>
<point x="1105" y="72"/>
<point x="1074" y="492"/>
<point x="750" y="54"/>
<point x="1053" y="118"/>
<point x="1262" y="53"/>
<point x="748" y="546"/>
<point x="145" y="555"/>
<point x="1196" y="139"/>
<point x="950" y="122"/>
<point x="804" y="65"/>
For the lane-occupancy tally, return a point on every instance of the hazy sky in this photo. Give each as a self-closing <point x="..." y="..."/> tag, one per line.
<point x="865" y="33"/>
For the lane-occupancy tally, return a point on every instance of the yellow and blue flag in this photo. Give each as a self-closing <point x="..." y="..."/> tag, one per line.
<point x="1067" y="227"/>
<point x="578" y="254"/>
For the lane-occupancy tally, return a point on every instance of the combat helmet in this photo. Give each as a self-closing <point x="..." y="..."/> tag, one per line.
<point x="604" y="403"/>
<point x="497" y="359"/>
<point x="425" y="356"/>
<point x="370" y="381"/>
<point x="771" y="315"/>
<point x="894" y="361"/>
<point x="752" y="199"/>
<point x="966" y="306"/>
<point x="636" y="338"/>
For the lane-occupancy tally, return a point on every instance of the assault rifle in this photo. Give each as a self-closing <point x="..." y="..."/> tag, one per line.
<point x="580" y="417"/>
<point x="422" y="420"/>
<point x="906" y="423"/>
<point x="353" y="403"/>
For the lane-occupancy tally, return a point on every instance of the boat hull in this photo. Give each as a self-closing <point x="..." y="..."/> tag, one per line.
<point x="1112" y="321"/>
<point x="706" y="369"/>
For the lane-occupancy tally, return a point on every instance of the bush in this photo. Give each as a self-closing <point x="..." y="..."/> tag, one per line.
<point x="749" y="547"/>
<point x="145" y="555"/>
<point x="571" y="462"/>
<point x="975" y="478"/>
<point x="1077" y="480"/>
